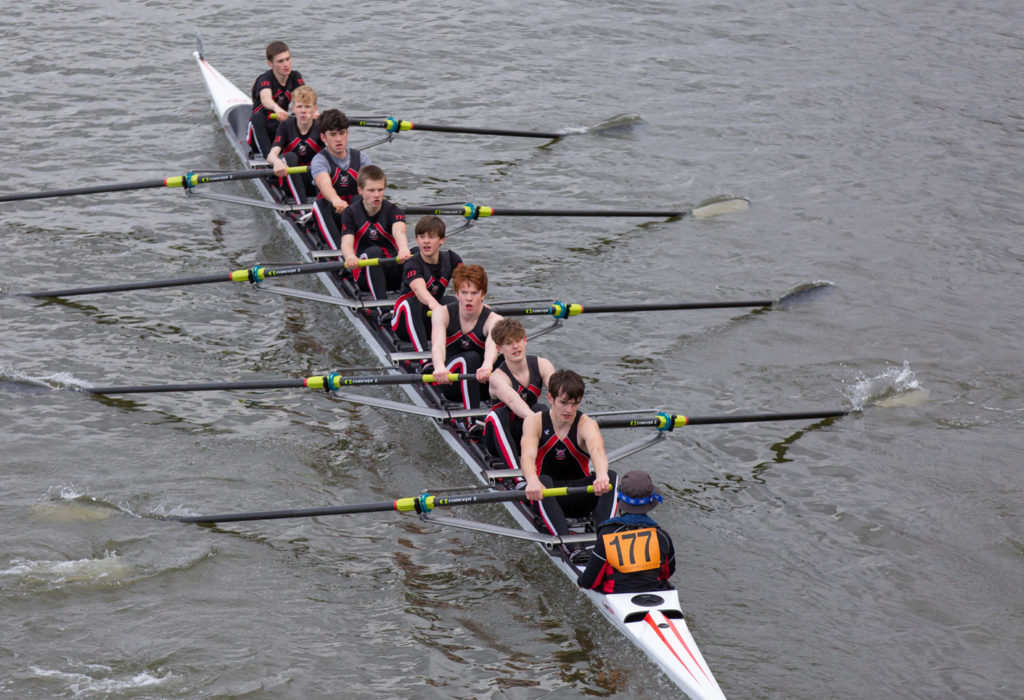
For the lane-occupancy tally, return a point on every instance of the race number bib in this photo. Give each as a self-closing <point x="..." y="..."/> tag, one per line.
<point x="633" y="550"/>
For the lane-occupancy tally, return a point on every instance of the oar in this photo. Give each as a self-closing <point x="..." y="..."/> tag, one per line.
<point x="188" y="181"/>
<point x="254" y="274"/>
<point x="395" y="125"/>
<point x="561" y="309"/>
<point x="326" y="382"/>
<point x="424" y="503"/>
<point x="476" y="211"/>
<point x="667" y="421"/>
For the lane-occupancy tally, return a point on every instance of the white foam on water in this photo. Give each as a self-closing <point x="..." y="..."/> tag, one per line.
<point x="57" y="380"/>
<point x="896" y="386"/>
<point x="109" y="569"/>
<point x="82" y="683"/>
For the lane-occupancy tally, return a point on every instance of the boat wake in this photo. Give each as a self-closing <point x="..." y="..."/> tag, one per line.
<point x="896" y="386"/>
<point x="16" y="380"/>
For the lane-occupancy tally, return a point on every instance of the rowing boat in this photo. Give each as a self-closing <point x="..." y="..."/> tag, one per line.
<point x="653" y="621"/>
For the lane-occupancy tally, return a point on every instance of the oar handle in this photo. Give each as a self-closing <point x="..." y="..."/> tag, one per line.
<point x="374" y="262"/>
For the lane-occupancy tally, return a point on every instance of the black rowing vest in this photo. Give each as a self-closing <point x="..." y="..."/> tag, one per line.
<point x="458" y="342"/>
<point x="562" y="460"/>
<point x="529" y="393"/>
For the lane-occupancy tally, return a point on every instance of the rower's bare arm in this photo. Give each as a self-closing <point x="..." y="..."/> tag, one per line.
<point x="277" y="162"/>
<point x="327" y="191"/>
<point x="438" y="347"/>
<point x="528" y="456"/>
<point x="501" y="389"/>
<point x="398" y="231"/>
<point x="546" y="369"/>
<point x="348" y="251"/>
<point x="267" y="100"/>
<point x="593" y="442"/>
<point x="490" y="350"/>
<point x="419" y="288"/>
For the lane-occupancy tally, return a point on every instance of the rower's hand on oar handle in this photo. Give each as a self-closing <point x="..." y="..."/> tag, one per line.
<point x="351" y="262"/>
<point x="534" y="489"/>
<point x="483" y="374"/>
<point x="280" y="167"/>
<point x="602" y="485"/>
<point x="442" y="377"/>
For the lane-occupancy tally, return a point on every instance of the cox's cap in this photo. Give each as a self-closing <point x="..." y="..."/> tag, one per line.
<point x="637" y="493"/>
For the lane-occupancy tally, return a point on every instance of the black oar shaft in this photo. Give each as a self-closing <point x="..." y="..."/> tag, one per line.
<point x="612" y="308"/>
<point x="259" y="272"/>
<point x="461" y="211"/>
<point x="392" y="124"/>
<point x="209" y="386"/>
<point x="293" y="513"/>
<point x="417" y="126"/>
<point x="315" y="382"/>
<point x="659" y="421"/>
<point x="94" y="189"/>
<point x="188" y="180"/>
<point x="127" y="286"/>
<point x="423" y="503"/>
<point x="765" y="417"/>
<point x="562" y="310"/>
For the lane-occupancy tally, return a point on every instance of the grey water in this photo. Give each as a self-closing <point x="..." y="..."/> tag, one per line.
<point x="877" y="555"/>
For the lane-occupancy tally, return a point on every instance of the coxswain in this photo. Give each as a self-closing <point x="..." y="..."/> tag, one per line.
<point x="461" y="338"/>
<point x="335" y="172"/>
<point x="515" y="386"/>
<point x="563" y="447"/>
<point x="271" y="94"/>
<point x="425" y="279"/>
<point x="632" y="553"/>
<point x="297" y="141"/>
<point x="374" y="227"/>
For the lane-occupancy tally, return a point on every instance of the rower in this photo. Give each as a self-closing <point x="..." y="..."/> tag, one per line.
<point x="632" y="553"/>
<point x="461" y="338"/>
<point x="425" y="279"/>
<point x="297" y="141"/>
<point x="563" y="447"/>
<point x="271" y="94"/>
<point x="515" y="386"/>
<point x="374" y="227"/>
<point x="335" y="171"/>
